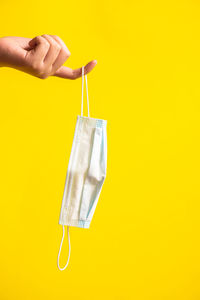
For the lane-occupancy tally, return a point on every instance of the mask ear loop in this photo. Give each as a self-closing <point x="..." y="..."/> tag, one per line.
<point x="86" y="82"/>
<point x="63" y="236"/>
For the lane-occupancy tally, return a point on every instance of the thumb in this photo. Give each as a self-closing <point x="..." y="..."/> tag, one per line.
<point x="65" y="72"/>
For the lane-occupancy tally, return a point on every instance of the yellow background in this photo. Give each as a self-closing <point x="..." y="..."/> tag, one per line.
<point x="144" y="239"/>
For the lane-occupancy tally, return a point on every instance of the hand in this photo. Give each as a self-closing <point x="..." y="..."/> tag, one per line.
<point x="42" y="56"/>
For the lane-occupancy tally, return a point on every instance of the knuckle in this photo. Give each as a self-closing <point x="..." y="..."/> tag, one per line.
<point x="39" y="38"/>
<point x="55" y="36"/>
<point x="46" y="44"/>
<point x="44" y="36"/>
<point x="63" y="55"/>
<point x="44" y="41"/>
<point x="57" y="47"/>
<point x="66" y="53"/>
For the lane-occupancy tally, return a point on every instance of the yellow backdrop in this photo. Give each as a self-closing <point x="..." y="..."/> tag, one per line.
<point x="144" y="240"/>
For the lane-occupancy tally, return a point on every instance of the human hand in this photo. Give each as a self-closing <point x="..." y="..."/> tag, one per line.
<point x="42" y="56"/>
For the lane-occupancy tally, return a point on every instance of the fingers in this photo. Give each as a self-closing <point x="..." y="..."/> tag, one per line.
<point x="65" y="72"/>
<point x="53" y="52"/>
<point x="63" y="55"/>
<point x="40" y="48"/>
<point x="47" y="55"/>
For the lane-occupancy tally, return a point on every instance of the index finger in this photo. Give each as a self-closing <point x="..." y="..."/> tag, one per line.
<point x="65" y="72"/>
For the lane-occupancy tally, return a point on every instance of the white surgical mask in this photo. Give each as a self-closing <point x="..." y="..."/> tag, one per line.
<point x="86" y="172"/>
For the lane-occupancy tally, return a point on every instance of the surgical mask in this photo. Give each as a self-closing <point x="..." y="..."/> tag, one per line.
<point x="86" y="173"/>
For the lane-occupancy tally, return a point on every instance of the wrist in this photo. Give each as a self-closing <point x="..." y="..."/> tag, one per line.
<point x="1" y="54"/>
<point x="3" y="51"/>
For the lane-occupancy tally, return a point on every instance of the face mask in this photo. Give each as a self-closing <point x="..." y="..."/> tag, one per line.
<point x="86" y="172"/>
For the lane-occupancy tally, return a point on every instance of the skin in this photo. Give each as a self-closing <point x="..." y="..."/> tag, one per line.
<point x="42" y="56"/>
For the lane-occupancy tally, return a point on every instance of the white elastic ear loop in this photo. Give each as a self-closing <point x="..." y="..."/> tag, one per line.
<point x="87" y="95"/>
<point x="63" y="236"/>
<point x="83" y="92"/>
